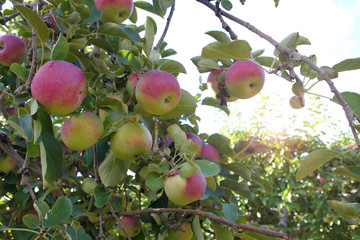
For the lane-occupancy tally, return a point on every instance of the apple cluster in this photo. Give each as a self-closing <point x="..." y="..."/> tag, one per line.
<point x="242" y="80"/>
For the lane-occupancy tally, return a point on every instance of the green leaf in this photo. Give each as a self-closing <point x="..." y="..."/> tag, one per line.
<point x="196" y="227"/>
<point x="329" y="71"/>
<point x="187" y="105"/>
<point x="171" y="66"/>
<point x="177" y="135"/>
<point x="264" y="184"/>
<point x="14" y="122"/>
<point x="348" y="172"/>
<point x="237" y="187"/>
<point x="26" y="125"/>
<point x="20" y="71"/>
<point x="268" y="62"/>
<point x="231" y="211"/>
<point x="351" y="210"/>
<point x="51" y="155"/>
<point x="208" y="168"/>
<point x="76" y="234"/>
<point x="31" y="221"/>
<point x="150" y="31"/>
<point x="134" y="35"/>
<point x="257" y="53"/>
<point x="352" y="99"/>
<point x="41" y="208"/>
<point x="154" y="181"/>
<point x="101" y="196"/>
<point x="239" y="169"/>
<point x="221" y="233"/>
<point x="113" y="30"/>
<point x="62" y="209"/>
<point x="78" y="211"/>
<point x="347" y="65"/>
<point x="219" y="36"/>
<point x="35" y="21"/>
<point x="291" y="41"/>
<point x="93" y="11"/>
<point x="127" y="58"/>
<point x="22" y="97"/>
<point x="60" y="49"/>
<point x="314" y="160"/>
<point x="226" y="4"/>
<point x="238" y="50"/>
<point x="221" y="143"/>
<point x="145" y="6"/>
<point x="158" y="8"/>
<point x="112" y="170"/>
<point x="166" y="3"/>
<point x="207" y="65"/>
<point x="210" y="101"/>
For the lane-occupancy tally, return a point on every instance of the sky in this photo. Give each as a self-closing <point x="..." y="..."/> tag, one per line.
<point x="333" y="28"/>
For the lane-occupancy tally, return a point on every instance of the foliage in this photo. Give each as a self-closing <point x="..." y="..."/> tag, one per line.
<point x="82" y="194"/>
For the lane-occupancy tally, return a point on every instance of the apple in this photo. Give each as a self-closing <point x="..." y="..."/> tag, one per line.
<point x="131" y="141"/>
<point x="158" y="92"/>
<point x="183" y="191"/>
<point x="59" y="87"/>
<point x="322" y="180"/>
<point x="131" y="82"/>
<point x="131" y="224"/>
<point x="12" y="49"/>
<point x="214" y="86"/>
<point x="185" y="233"/>
<point x="115" y="11"/>
<point x="6" y="164"/>
<point x="209" y="151"/>
<point x="82" y="131"/>
<point x="244" y="79"/>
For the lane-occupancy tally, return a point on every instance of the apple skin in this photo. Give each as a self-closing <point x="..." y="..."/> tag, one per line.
<point x="131" y="82"/>
<point x="115" y="11"/>
<point x="13" y="49"/>
<point x="6" y="164"/>
<point x="177" y="234"/>
<point x="59" y="87"/>
<point x="214" y="86"/>
<point x="131" y="141"/>
<point x="82" y="131"/>
<point x="131" y="224"/>
<point x="158" y="92"/>
<point x="184" y="191"/>
<point x="208" y="150"/>
<point x="244" y="79"/>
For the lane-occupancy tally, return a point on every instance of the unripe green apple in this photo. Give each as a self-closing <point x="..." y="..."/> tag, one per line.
<point x="6" y="164"/>
<point x="186" y="234"/>
<point x="131" y="224"/>
<point x="214" y="85"/>
<point x="244" y="79"/>
<point x="82" y="131"/>
<point x="59" y="87"/>
<point x="115" y="11"/>
<point x="131" y="141"/>
<point x="158" y="92"/>
<point x="12" y="49"/>
<point x="208" y="150"/>
<point x="183" y="191"/>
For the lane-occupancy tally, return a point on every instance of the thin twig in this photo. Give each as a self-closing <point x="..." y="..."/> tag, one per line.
<point x="225" y="26"/>
<point x="161" y="40"/>
<point x="4" y="20"/>
<point x="118" y="220"/>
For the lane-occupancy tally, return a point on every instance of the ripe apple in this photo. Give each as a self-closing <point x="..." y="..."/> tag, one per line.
<point x="59" y="87"/>
<point x="183" y="191"/>
<point x="244" y="79"/>
<point x="12" y="49"/>
<point x="131" y="224"/>
<point x="6" y="164"/>
<point x="158" y="92"/>
<point x="82" y="131"/>
<point x="131" y="82"/>
<point x="186" y="234"/>
<point x="322" y="180"/>
<point x="131" y="141"/>
<point x="208" y="150"/>
<point x="214" y="85"/>
<point x="115" y="11"/>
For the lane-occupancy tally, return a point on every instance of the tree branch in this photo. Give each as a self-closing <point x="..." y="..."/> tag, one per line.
<point x="161" y="40"/>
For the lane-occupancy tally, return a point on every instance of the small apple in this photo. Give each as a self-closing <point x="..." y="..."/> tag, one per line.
<point x="209" y="151"/>
<point x="115" y="11"/>
<point x="6" y="164"/>
<point x="12" y="49"/>
<point x="131" y="82"/>
<point x="183" y="191"/>
<point x="82" y="131"/>
<point x="131" y="224"/>
<point x="185" y="233"/>
<point x="322" y="180"/>
<point x="158" y="92"/>
<point x="131" y="141"/>
<point x="59" y="87"/>
<point x="244" y="79"/>
<point x="214" y="85"/>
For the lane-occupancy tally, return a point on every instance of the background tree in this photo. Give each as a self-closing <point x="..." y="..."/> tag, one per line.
<point x="140" y="170"/>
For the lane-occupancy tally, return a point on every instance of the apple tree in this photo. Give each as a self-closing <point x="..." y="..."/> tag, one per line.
<point x="98" y="140"/>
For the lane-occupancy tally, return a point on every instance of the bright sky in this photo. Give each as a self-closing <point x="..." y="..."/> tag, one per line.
<point x="333" y="28"/>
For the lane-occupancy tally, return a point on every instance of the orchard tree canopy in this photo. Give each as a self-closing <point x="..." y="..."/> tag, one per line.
<point x="99" y="141"/>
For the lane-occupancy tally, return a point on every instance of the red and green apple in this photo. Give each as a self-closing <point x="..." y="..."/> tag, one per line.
<point x="213" y="85"/>
<point x="12" y="49"/>
<point x="115" y="11"/>
<point x="209" y="151"/>
<point x="185" y="233"/>
<point x="131" y="225"/>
